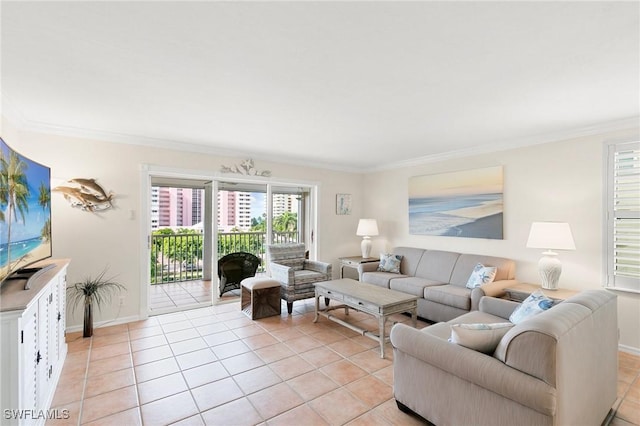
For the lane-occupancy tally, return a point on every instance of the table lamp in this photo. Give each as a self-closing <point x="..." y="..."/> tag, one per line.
<point x="550" y="236"/>
<point x="367" y="228"/>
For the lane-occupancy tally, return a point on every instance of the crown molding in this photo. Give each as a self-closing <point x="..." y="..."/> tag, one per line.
<point x="592" y="130"/>
<point x="20" y="121"/>
<point x="9" y="111"/>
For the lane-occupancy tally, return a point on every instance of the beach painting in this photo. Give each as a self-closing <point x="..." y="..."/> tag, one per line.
<point x="464" y="204"/>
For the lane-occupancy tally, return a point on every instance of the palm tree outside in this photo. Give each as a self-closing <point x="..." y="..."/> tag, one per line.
<point x="286" y="222"/>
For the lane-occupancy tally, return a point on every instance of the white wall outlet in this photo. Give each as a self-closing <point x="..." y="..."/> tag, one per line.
<point x="121" y="300"/>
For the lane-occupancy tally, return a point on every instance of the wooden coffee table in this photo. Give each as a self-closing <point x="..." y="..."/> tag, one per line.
<point x="377" y="301"/>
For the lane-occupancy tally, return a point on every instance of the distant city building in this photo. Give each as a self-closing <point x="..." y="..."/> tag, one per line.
<point x="155" y="207"/>
<point x="234" y="210"/>
<point x="164" y="200"/>
<point x="284" y="203"/>
<point x="184" y="207"/>
<point x="175" y="207"/>
<point x="197" y="206"/>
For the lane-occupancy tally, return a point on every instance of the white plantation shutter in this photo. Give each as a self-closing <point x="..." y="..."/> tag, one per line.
<point x="623" y="216"/>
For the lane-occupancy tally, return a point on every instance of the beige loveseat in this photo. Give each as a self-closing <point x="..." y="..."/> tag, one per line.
<point x="439" y="278"/>
<point x="556" y="368"/>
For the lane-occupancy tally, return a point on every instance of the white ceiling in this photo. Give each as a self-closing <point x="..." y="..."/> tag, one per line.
<point x="349" y="85"/>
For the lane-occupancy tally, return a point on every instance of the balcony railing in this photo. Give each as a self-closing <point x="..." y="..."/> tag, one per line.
<point x="178" y="257"/>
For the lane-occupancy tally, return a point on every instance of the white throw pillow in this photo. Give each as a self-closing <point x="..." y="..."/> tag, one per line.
<point x="389" y="262"/>
<point x="479" y="337"/>
<point x="536" y="303"/>
<point x="481" y="275"/>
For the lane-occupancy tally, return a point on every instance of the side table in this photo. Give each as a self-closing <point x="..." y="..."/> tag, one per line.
<point x="349" y="265"/>
<point x="519" y="292"/>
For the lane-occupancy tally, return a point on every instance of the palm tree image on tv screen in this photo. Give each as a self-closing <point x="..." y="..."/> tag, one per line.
<point x="25" y="211"/>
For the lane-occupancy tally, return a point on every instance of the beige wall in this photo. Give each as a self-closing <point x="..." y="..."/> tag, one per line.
<point x="560" y="181"/>
<point x="95" y="240"/>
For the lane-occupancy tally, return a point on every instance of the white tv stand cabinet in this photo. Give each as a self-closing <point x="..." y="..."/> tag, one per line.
<point x="32" y="344"/>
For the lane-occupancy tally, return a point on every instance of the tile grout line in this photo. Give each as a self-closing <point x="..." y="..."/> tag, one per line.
<point x="80" y="422"/>
<point x="623" y="397"/>
<point x="269" y="330"/>
<point x="135" y="377"/>
<point x="195" y="402"/>
<point x="317" y="369"/>
<point x="275" y="373"/>
<point x="244" y="394"/>
<point x="233" y="376"/>
<point x="341" y="386"/>
<point x="219" y="360"/>
<point x="85" y="381"/>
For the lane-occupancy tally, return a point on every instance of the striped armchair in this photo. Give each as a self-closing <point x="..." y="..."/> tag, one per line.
<point x="287" y="264"/>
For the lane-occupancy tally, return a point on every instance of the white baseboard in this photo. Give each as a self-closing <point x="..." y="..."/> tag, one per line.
<point x="629" y="349"/>
<point x="108" y="323"/>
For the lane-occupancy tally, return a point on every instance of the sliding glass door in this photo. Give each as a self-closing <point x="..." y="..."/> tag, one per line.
<point x="178" y="264"/>
<point x="194" y="220"/>
<point x="250" y="216"/>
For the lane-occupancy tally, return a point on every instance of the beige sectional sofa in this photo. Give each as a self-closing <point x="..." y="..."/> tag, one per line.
<point x="556" y="368"/>
<point x="439" y="278"/>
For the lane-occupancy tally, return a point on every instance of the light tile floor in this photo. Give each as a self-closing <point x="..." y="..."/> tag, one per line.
<point x="180" y="294"/>
<point x="214" y="366"/>
<point x="189" y="295"/>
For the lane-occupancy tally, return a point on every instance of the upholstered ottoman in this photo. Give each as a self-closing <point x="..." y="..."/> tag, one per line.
<point x="260" y="297"/>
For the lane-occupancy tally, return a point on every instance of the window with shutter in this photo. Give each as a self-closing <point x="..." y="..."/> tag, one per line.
<point x="622" y="228"/>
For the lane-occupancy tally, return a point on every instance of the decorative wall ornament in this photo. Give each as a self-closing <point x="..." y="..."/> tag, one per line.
<point x="245" y="168"/>
<point x="343" y="204"/>
<point x="86" y="194"/>
<point x="457" y="204"/>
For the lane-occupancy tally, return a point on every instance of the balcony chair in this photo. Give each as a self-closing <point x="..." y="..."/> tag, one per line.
<point x="234" y="267"/>
<point x="287" y="264"/>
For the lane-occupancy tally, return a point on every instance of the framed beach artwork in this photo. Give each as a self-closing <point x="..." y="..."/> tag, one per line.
<point x="457" y="204"/>
<point x="343" y="203"/>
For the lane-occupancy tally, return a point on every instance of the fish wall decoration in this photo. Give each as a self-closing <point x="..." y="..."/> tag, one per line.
<point x="86" y="194"/>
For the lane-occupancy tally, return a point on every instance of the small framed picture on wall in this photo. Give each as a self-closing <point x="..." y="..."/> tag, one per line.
<point x="343" y="204"/>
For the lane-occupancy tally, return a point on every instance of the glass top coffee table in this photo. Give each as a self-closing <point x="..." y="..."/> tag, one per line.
<point x="377" y="301"/>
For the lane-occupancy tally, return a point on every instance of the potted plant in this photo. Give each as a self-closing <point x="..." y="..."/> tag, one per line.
<point x="98" y="290"/>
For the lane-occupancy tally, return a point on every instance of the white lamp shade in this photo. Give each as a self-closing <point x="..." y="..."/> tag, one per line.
<point x="551" y="236"/>
<point x="367" y="228"/>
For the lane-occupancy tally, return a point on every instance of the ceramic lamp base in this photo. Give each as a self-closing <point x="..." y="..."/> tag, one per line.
<point x="549" y="268"/>
<point x="365" y="247"/>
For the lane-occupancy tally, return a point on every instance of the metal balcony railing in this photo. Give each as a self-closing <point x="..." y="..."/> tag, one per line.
<point x="178" y="257"/>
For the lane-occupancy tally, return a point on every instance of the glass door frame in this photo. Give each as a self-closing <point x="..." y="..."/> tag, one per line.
<point x="309" y="209"/>
<point x="147" y="172"/>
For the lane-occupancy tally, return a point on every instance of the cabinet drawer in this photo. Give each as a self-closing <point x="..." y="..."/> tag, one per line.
<point x="330" y="294"/>
<point x="359" y="304"/>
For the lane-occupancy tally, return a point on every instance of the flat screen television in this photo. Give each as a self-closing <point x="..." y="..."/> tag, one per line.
<point x="25" y="214"/>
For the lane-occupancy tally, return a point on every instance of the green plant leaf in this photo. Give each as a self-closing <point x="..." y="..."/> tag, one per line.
<point x="99" y="290"/>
